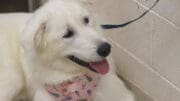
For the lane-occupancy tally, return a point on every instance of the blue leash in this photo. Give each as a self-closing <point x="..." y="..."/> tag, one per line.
<point x="113" y="26"/>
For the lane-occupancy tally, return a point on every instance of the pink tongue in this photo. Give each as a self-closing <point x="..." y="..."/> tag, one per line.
<point x="101" y="67"/>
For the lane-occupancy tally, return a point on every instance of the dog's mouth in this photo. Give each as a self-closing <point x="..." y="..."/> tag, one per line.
<point x="101" y="67"/>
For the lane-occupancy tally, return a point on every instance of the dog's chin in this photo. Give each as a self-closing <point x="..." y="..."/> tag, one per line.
<point x="101" y="67"/>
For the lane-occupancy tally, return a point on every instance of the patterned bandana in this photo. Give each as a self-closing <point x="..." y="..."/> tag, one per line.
<point x="80" y="88"/>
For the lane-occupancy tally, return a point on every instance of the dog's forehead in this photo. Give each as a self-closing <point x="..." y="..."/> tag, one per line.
<point x="69" y="8"/>
<point x="64" y="13"/>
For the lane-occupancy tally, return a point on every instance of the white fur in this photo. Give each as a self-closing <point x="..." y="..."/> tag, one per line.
<point x="41" y="56"/>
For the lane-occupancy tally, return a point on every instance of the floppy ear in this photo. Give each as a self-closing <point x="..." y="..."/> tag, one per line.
<point x="32" y="38"/>
<point x="39" y="42"/>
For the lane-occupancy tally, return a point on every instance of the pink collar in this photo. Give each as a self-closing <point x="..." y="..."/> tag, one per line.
<point x="80" y="88"/>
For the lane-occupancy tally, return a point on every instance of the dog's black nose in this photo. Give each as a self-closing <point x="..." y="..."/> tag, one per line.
<point x="104" y="49"/>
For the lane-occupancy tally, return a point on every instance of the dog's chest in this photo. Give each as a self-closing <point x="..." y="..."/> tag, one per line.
<point x="80" y="88"/>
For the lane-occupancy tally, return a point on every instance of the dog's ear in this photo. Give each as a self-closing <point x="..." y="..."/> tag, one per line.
<point x="32" y="37"/>
<point x="39" y="42"/>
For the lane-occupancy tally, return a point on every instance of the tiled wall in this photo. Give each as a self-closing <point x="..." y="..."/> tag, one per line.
<point x="146" y="52"/>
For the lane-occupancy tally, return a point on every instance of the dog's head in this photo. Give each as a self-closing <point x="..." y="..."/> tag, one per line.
<point x="65" y="30"/>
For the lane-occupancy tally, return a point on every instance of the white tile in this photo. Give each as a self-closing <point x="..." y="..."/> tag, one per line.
<point x="166" y="8"/>
<point x="152" y="63"/>
<point x="144" y="77"/>
<point x="166" y="50"/>
<point x="137" y="36"/>
<point x="116" y="11"/>
<point x="151" y="39"/>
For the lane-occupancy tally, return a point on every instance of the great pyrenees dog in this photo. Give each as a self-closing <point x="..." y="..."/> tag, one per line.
<point x="57" y="53"/>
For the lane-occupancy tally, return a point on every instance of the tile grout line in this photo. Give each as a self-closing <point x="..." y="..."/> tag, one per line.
<point x="157" y="14"/>
<point x="148" y="67"/>
<point x="135" y="85"/>
<point x="140" y="89"/>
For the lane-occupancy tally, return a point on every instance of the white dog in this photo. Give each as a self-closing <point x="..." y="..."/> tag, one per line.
<point x="61" y="45"/>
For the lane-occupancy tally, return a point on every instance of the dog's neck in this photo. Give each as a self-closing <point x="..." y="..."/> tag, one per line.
<point x="79" y="88"/>
<point x="50" y="71"/>
<point x="37" y="73"/>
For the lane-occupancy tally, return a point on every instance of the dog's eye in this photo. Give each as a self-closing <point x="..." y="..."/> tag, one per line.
<point x="69" y="33"/>
<point x="86" y="20"/>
